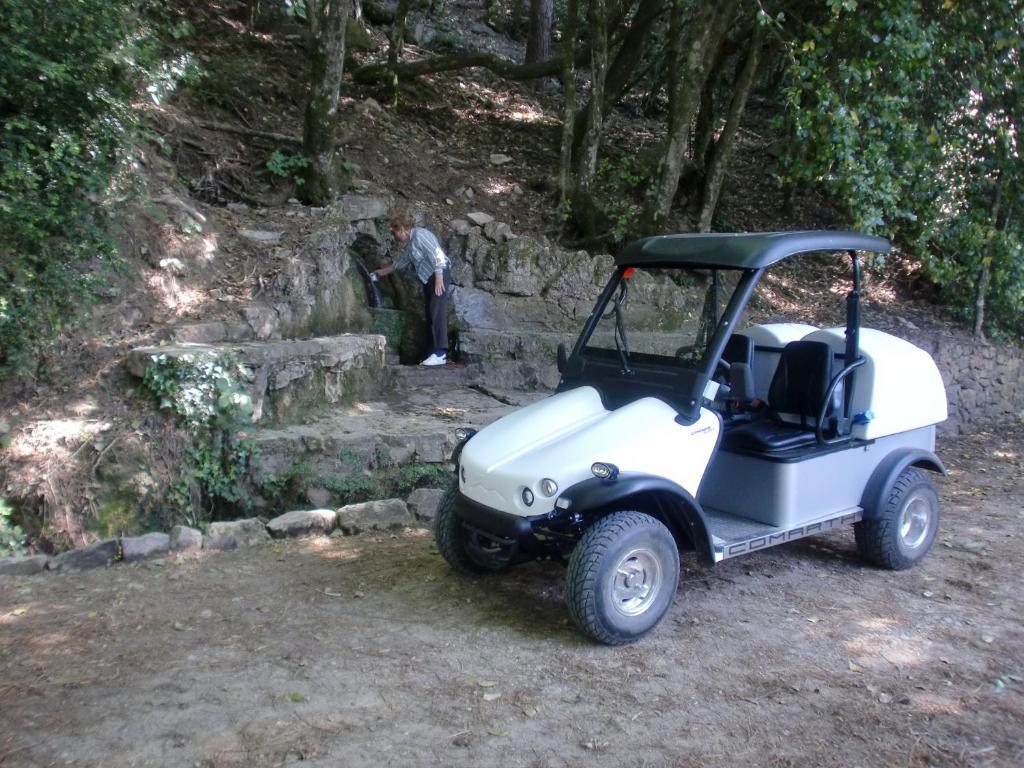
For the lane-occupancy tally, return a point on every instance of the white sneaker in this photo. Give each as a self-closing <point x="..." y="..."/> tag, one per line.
<point x="435" y="360"/>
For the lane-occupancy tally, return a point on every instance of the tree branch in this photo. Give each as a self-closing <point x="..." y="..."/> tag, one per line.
<point x="227" y="128"/>
<point x="373" y="73"/>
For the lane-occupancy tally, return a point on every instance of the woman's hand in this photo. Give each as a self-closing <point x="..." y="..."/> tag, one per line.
<point x="438" y="284"/>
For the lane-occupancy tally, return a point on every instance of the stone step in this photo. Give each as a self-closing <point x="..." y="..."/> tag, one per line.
<point x="450" y="375"/>
<point x="289" y="379"/>
<point x="371" y="449"/>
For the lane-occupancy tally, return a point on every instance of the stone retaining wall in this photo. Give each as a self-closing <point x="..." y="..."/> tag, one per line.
<point x="983" y="381"/>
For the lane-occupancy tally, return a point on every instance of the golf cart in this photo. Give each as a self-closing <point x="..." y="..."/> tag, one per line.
<point x="722" y="444"/>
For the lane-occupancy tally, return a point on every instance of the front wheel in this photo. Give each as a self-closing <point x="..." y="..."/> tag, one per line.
<point x="622" y="577"/>
<point x="902" y="532"/>
<point x="464" y="551"/>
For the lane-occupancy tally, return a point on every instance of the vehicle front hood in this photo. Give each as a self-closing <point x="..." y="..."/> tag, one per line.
<point x="562" y="436"/>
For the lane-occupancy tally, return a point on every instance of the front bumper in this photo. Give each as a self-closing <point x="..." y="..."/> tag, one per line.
<point x="503" y="525"/>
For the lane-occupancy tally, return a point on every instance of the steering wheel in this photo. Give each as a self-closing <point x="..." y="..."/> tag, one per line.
<point x="721" y="365"/>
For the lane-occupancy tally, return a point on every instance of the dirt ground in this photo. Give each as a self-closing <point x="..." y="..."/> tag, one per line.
<point x="368" y="651"/>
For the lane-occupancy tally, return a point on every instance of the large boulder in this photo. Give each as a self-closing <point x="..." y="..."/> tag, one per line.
<point x="236" y="534"/>
<point x="98" y="555"/>
<point x="382" y="515"/>
<point x="135" y="548"/>
<point x="22" y="566"/>
<point x="423" y="502"/>
<point x="183" y="539"/>
<point x="302" y="522"/>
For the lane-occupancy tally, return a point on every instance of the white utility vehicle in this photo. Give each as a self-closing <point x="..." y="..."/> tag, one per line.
<point x="728" y="443"/>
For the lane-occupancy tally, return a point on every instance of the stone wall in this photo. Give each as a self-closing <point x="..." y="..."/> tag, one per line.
<point x="983" y="381"/>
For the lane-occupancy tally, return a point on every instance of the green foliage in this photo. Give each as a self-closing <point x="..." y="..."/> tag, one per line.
<point x="207" y="393"/>
<point x="12" y="538"/>
<point x="115" y="517"/>
<point x="351" y="489"/>
<point x="618" y="195"/>
<point x="421" y="475"/>
<point x="278" y="488"/>
<point x="288" y="166"/>
<point x="67" y="75"/>
<point x="909" y="115"/>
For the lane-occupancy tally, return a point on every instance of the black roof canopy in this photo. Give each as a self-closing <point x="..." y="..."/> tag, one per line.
<point x="754" y="250"/>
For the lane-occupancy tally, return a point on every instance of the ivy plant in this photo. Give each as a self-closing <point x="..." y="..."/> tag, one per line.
<point x="207" y="394"/>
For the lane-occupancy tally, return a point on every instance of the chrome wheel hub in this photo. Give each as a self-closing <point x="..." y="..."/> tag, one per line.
<point x="637" y="581"/>
<point x="915" y="522"/>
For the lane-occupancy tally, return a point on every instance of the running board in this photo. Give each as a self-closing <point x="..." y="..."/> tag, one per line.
<point x="748" y="536"/>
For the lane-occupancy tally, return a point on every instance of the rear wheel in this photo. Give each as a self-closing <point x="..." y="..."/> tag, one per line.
<point x="902" y="532"/>
<point x="622" y="577"/>
<point x="464" y="550"/>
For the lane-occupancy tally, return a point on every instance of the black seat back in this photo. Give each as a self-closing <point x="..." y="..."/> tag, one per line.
<point x="739" y="349"/>
<point x="801" y="379"/>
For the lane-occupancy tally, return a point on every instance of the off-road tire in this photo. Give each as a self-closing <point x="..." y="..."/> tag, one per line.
<point x="451" y="538"/>
<point x="593" y="573"/>
<point x="883" y="540"/>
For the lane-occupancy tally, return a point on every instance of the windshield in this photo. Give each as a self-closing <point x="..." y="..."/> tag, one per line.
<point x="663" y="315"/>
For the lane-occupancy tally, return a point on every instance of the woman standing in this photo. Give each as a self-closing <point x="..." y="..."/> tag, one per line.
<point x="421" y="253"/>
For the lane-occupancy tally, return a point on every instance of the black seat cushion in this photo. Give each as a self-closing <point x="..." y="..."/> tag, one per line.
<point x="767" y="435"/>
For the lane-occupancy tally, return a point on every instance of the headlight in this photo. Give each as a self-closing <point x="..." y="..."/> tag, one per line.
<point x="604" y="471"/>
<point x="527" y="497"/>
<point x="548" y="487"/>
<point x="462" y="434"/>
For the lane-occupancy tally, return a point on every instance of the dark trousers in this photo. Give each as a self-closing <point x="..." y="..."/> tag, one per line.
<point x="437" y="313"/>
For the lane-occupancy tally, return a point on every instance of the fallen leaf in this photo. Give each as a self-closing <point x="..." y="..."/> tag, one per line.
<point x="856" y="668"/>
<point x="487" y="683"/>
<point x="813" y="619"/>
<point x="297" y="698"/>
<point x="498" y="733"/>
<point x="529" y="711"/>
<point x="492" y="696"/>
<point x="20" y="611"/>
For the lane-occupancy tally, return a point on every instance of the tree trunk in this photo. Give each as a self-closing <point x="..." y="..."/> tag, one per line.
<point x="722" y="150"/>
<point x="538" y="39"/>
<point x="397" y="41"/>
<point x="708" y="30"/>
<point x="584" y="209"/>
<point x="985" y="274"/>
<point x="707" y="117"/>
<point x="623" y="67"/>
<point x="519" y="19"/>
<point x="253" y="15"/>
<point x="565" y="186"/>
<point x="327" y="61"/>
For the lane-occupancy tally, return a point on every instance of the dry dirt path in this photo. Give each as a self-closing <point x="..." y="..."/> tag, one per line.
<point x="367" y="651"/>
